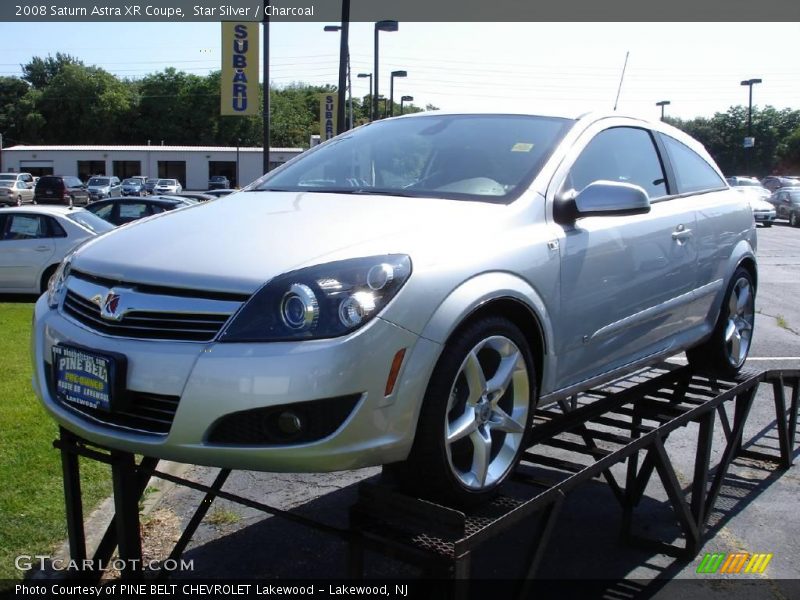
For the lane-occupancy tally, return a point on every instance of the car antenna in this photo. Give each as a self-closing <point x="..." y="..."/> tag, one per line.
<point x="619" y="89"/>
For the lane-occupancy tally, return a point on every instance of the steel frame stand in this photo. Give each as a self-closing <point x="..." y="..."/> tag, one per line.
<point x="622" y="423"/>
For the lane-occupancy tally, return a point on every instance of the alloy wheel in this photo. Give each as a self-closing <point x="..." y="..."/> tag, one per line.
<point x="487" y="413"/>
<point x="739" y="328"/>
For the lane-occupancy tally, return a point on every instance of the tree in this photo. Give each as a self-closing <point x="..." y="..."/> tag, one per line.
<point x="39" y="72"/>
<point x="789" y="153"/>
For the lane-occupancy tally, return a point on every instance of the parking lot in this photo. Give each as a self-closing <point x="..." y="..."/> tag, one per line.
<point x="755" y="513"/>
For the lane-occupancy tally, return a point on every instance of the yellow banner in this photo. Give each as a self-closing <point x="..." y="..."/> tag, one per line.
<point x="327" y="116"/>
<point x="239" y="83"/>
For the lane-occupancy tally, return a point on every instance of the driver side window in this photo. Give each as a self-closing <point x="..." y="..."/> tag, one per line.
<point x="621" y="154"/>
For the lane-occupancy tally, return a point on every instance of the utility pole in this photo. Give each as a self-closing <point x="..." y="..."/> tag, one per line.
<point x="265" y="71"/>
<point x="344" y="71"/>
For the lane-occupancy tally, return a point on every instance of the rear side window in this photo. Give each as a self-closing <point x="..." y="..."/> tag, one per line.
<point x="692" y="172"/>
<point x="623" y="154"/>
<point x="25" y="227"/>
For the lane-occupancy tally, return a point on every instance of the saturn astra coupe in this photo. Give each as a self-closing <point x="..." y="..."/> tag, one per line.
<point x="405" y="295"/>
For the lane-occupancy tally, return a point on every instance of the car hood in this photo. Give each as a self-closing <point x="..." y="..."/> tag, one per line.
<point x="240" y="242"/>
<point x="757" y="204"/>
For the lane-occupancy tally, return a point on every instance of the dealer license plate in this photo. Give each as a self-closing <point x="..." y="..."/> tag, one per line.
<point x="84" y="378"/>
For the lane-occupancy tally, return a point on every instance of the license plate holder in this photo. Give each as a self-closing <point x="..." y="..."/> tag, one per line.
<point x="86" y="378"/>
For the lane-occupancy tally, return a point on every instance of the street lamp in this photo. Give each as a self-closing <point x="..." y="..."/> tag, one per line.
<point x="379" y="26"/>
<point x="361" y="76"/>
<point x="662" y="104"/>
<point x="749" y="142"/>
<point x="344" y="66"/>
<point x="405" y="99"/>
<point x="391" y="89"/>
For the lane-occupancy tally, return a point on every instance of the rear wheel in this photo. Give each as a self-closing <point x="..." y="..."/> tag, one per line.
<point x="474" y="419"/>
<point x="19" y="200"/>
<point x="48" y="273"/>
<point x="727" y="348"/>
<point x="793" y="220"/>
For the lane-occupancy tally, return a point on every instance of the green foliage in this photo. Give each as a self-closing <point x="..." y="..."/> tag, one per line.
<point x="723" y="136"/>
<point x="32" y="494"/>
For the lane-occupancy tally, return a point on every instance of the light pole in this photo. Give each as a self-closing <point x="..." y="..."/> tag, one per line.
<point x="238" y="143"/>
<point x="391" y="89"/>
<point x="361" y="76"/>
<point x="379" y="26"/>
<point x="340" y="111"/>
<point x="662" y="104"/>
<point x="405" y="99"/>
<point x="749" y="83"/>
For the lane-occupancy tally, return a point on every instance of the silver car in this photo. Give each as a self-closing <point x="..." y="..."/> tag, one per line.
<point x="167" y="186"/>
<point x="405" y="295"/>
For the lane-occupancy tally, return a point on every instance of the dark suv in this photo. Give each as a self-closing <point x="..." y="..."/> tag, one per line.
<point x="60" y="189"/>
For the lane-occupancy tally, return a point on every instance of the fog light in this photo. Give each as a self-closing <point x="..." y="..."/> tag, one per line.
<point x="289" y="423"/>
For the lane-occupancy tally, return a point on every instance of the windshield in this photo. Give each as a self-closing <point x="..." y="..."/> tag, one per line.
<point x="468" y="157"/>
<point x="90" y="221"/>
<point x="99" y="181"/>
<point x="166" y="182"/>
<point x="131" y="182"/>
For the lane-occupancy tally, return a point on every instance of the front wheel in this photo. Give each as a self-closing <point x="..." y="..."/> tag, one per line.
<point x="475" y="415"/>
<point x="793" y="220"/>
<point x="727" y="348"/>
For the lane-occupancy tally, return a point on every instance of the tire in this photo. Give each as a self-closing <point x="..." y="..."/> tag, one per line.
<point x="767" y="224"/>
<point x="71" y="202"/>
<point x="48" y="273"/>
<point x="727" y="348"/>
<point x="793" y="220"/>
<point x="19" y="200"/>
<point x="475" y="416"/>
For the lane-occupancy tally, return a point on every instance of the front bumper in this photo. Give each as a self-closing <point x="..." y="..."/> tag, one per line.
<point x="764" y="217"/>
<point x="213" y="380"/>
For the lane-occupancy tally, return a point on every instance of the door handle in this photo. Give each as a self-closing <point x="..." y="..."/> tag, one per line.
<point x="42" y="248"/>
<point x="681" y="233"/>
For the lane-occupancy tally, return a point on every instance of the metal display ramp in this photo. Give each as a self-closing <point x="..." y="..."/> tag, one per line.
<point x="622" y="427"/>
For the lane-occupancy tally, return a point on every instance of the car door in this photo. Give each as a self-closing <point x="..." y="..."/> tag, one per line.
<point x="723" y="217"/>
<point x="26" y="247"/>
<point x="624" y="279"/>
<point x="782" y="205"/>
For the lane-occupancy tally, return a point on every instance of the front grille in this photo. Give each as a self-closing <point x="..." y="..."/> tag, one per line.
<point x="146" y="325"/>
<point x="152" y="312"/>
<point x="137" y="411"/>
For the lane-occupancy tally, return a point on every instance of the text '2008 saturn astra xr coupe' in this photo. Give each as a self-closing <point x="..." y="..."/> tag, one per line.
<point x="404" y="294"/>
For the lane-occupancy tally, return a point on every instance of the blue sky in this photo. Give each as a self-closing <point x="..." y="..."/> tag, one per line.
<point x="547" y="67"/>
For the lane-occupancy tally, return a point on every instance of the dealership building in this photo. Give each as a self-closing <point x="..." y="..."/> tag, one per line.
<point x="193" y="166"/>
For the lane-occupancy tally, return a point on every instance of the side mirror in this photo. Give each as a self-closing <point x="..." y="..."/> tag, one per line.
<point x="602" y="199"/>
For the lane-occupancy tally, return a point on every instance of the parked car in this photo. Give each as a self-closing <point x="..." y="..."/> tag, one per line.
<point x="103" y="187"/>
<point x="742" y="180"/>
<point x="786" y="202"/>
<point x="220" y="193"/>
<point x="133" y="187"/>
<point x="35" y="239"/>
<point x="60" y="189"/>
<point x="774" y="182"/>
<point x="120" y="211"/>
<point x="219" y="182"/>
<point x="150" y="185"/>
<point x="198" y="196"/>
<point x="167" y="186"/>
<point x="404" y="295"/>
<point x="16" y="188"/>
<point x="763" y="211"/>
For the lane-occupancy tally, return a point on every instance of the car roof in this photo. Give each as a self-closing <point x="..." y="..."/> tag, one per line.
<point x="46" y="209"/>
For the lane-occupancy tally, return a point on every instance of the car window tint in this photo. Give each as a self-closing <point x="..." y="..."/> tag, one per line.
<point x="55" y="228"/>
<point x="131" y="212"/>
<point x="692" y="172"/>
<point x="104" y="212"/>
<point x="623" y="154"/>
<point x="25" y="227"/>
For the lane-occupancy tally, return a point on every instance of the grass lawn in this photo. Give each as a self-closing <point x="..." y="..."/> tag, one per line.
<point x="31" y="491"/>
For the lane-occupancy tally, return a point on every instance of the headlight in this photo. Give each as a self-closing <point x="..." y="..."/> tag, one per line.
<point x="56" y="287"/>
<point x="323" y="301"/>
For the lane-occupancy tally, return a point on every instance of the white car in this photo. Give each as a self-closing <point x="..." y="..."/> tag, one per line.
<point x="763" y="212"/>
<point x="35" y="239"/>
<point x="168" y="186"/>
